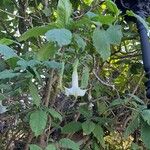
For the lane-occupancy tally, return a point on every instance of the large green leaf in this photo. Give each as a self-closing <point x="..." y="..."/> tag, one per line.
<point x="88" y="127"/>
<point x="55" y="114"/>
<point x="38" y="120"/>
<point x="7" y="52"/>
<point x="146" y="115"/>
<point x="99" y="134"/>
<point x="101" y="43"/>
<point x="72" y="127"/>
<point x="64" y="10"/>
<point x="36" y="31"/>
<point x="69" y="144"/>
<point x="34" y="93"/>
<point x="6" y="41"/>
<point x="34" y="147"/>
<point x="8" y="74"/>
<point x="51" y="147"/>
<point x="61" y="36"/>
<point x="145" y="134"/>
<point x="114" y="34"/>
<point x="46" y="52"/>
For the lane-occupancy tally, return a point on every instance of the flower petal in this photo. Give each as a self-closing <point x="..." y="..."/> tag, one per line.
<point x="81" y="92"/>
<point x="75" y="91"/>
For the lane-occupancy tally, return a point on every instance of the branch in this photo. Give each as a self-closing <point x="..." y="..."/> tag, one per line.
<point x="1" y="10"/>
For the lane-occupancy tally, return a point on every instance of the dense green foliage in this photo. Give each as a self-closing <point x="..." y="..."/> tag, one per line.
<point x="46" y="48"/>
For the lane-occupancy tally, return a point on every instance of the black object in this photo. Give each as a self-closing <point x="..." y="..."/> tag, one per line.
<point x="141" y="8"/>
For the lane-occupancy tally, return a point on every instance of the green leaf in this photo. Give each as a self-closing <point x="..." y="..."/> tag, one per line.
<point x="101" y="43"/>
<point x="6" y="41"/>
<point x="64" y="11"/>
<point x="145" y="134"/>
<point x="114" y="34"/>
<point x="131" y="13"/>
<point x="118" y="102"/>
<point x="146" y="115"/>
<point x="96" y="146"/>
<point x="34" y="93"/>
<point x="99" y="134"/>
<point x="51" y="147"/>
<point x="46" y="52"/>
<point x="8" y="74"/>
<point x="25" y="64"/>
<point x="88" y="2"/>
<point x="136" y="99"/>
<point x="34" y="147"/>
<point x="134" y="146"/>
<point x="88" y="127"/>
<point x="112" y="7"/>
<point x="85" y="77"/>
<point x="79" y="40"/>
<point x="107" y="19"/>
<point x="61" y="36"/>
<point x="71" y="127"/>
<point x="38" y="120"/>
<point x="7" y="52"/>
<point x="54" y="114"/>
<point x="46" y="11"/>
<point x="133" y="125"/>
<point x="85" y="111"/>
<point x="53" y="64"/>
<point x="69" y="144"/>
<point x="36" y="31"/>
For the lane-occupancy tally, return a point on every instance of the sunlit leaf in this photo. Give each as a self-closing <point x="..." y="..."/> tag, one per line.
<point x="6" y="41"/>
<point x="64" y="10"/>
<point x="36" y="31"/>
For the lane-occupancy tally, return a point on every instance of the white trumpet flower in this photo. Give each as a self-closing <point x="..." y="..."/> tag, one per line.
<point x="3" y="109"/>
<point x="75" y="90"/>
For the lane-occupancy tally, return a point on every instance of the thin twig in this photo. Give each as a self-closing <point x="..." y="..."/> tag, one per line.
<point x="103" y="82"/>
<point x="1" y="10"/>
